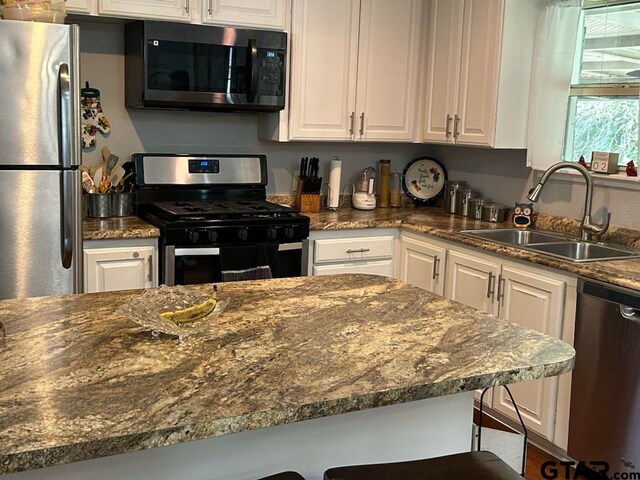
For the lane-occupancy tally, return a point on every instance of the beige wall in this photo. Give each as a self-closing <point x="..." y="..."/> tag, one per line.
<point x="501" y="175"/>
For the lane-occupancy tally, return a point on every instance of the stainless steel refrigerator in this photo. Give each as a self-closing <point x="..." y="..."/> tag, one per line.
<point x="40" y="217"/>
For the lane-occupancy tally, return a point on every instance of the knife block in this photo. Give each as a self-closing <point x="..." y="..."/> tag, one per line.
<point x="306" y="202"/>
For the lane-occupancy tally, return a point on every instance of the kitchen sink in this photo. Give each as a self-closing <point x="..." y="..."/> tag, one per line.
<point x="579" y="251"/>
<point x="555" y="244"/>
<point x="515" y="236"/>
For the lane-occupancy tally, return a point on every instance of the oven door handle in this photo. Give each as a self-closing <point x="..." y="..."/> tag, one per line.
<point x="202" y="252"/>
<point x="283" y="247"/>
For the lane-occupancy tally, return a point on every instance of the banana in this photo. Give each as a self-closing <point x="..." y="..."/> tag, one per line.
<point x="191" y="314"/>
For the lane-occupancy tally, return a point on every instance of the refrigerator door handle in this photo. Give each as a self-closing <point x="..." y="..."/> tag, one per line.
<point x="67" y="217"/>
<point x="65" y="123"/>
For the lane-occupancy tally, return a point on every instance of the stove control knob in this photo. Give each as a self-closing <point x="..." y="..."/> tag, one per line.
<point x="289" y="232"/>
<point x="212" y="235"/>
<point x="193" y="236"/>
<point x="272" y="233"/>
<point x="243" y="234"/>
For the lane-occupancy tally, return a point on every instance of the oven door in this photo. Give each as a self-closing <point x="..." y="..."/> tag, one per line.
<point x="195" y="265"/>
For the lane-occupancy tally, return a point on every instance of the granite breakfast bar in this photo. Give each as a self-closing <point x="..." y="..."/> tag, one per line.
<point x="302" y="373"/>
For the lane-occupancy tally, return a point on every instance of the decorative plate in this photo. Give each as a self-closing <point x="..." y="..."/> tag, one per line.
<point x="145" y="310"/>
<point x="423" y="180"/>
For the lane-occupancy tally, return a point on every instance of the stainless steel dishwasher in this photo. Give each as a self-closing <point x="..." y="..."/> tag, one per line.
<point x="605" y="391"/>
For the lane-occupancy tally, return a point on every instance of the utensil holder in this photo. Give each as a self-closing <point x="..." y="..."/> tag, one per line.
<point x="99" y="205"/>
<point x="121" y="204"/>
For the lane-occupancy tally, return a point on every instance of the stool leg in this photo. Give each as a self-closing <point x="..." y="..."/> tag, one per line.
<point x="525" y="432"/>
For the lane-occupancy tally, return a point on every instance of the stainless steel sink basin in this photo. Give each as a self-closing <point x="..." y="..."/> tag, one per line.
<point x="579" y="251"/>
<point x="555" y="244"/>
<point x="516" y="236"/>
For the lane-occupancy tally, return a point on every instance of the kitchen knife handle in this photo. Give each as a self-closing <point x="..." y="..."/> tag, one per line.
<point x="447" y="132"/>
<point x="491" y="285"/>
<point x="456" y="122"/>
<point x="436" y="267"/>
<point x="351" y="120"/>
<point x="362" y="124"/>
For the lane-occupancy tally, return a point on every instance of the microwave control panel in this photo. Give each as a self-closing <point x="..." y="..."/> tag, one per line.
<point x="271" y="72"/>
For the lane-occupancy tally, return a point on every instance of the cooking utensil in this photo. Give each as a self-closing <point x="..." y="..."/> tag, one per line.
<point x="105" y="182"/>
<point x="87" y="183"/>
<point x="123" y="183"/>
<point x="117" y="174"/>
<point x="97" y="176"/>
<point x="112" y="161"/>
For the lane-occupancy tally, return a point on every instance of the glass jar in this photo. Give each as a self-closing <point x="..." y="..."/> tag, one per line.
<point x="395" y="199"/>
<point x="383" y="183"/>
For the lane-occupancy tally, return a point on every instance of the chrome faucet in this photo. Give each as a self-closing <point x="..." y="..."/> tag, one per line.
<point x="588" y="230"/>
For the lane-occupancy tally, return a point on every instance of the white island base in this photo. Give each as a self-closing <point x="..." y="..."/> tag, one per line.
<point x="420" y="429"/>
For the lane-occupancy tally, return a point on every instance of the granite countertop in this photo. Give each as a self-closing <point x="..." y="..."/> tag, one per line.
<point x="117" y="228"/>
<point x="80" y="381"/>
<point x="434" y="222"/>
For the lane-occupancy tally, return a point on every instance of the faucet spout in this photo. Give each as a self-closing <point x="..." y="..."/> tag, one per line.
<point x="587" y="229"/>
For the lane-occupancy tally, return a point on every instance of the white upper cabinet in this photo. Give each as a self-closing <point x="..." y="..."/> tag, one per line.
<point x="354" y="69"/>
<point x="444" y="35"/>
<point x="176" y="10"/>
<point x="252" y="13"/>
<point x="478" y="71"/>
<point x="78" y="6"/>
<point x="388" y="66"/>
<point x="323" y="78"/>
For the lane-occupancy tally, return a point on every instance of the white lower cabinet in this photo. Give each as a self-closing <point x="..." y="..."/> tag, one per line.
<point x="422" y="263"/>
<point x="535" y="297"/>
<point x="369" y="251"/>
<point x="111" y="265"/>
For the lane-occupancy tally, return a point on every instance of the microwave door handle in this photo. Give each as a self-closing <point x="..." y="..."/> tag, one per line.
<point x="252" y="60"/>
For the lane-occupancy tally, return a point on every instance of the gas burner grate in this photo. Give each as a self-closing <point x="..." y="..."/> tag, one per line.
<point x="222" y="209"/>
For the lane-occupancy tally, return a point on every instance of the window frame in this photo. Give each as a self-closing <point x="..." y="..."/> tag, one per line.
<point x="594" y="89"/>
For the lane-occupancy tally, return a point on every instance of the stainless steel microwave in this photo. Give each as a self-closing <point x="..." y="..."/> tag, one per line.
<point x="196" y="67"/>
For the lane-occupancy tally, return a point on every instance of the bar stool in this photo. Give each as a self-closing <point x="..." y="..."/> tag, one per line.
<point x="462" y="466"/>
<point x="284" y="476"/>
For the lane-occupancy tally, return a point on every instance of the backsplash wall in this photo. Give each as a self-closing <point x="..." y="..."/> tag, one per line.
<point x="499" y="174"/>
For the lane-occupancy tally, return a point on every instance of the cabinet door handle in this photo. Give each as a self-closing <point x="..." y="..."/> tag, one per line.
<point x="351" y="120"/>
<point x="501" y="282"/>
<point x="361" y="123"/>
<point x="359" y="250"/>
<point x="491" y="285"/>
<point x="186" y="6"/>
<point x="210" y="7"/>
<point x="150" y="269"/>
<point x="436" y="267"/>
<point x="456" y="122"/>
<point x="447" y="133"/>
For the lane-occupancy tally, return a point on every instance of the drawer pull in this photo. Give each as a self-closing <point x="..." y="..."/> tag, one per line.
<point x="491" y="285"/>
<point x="360" y="250"/>
<point x="436" y="267"/>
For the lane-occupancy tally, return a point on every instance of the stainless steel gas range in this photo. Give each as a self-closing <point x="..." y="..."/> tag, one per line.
<point x="215" y="223"/>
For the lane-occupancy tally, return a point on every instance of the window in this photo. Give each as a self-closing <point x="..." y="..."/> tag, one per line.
<point x="604" y="104"/>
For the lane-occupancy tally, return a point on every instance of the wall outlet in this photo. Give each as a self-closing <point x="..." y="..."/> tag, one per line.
<point x="294" y="185"/>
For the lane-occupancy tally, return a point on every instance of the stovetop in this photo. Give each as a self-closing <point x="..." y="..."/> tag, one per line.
<point x="221" y="209"/>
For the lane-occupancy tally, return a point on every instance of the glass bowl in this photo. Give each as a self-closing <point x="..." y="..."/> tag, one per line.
<point x="145" y="310"/>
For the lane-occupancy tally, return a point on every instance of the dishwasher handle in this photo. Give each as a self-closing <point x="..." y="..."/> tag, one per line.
<point x="630" y="313"/>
